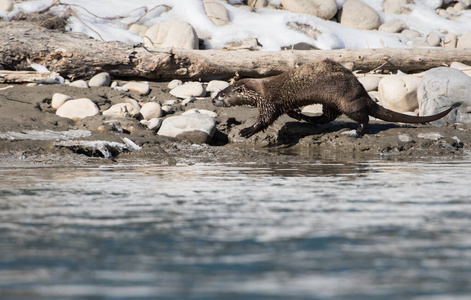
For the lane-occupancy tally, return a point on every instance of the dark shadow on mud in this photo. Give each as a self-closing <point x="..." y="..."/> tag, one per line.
<point x="292" y="132"/>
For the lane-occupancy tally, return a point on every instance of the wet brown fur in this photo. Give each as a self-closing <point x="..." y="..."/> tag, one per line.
<point x="326" y="82"/>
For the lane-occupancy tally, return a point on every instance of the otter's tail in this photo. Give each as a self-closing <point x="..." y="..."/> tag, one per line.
<point x="385" y="114"/>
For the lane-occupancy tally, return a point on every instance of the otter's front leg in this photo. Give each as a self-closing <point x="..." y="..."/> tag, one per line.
<point x="267" y="115"/>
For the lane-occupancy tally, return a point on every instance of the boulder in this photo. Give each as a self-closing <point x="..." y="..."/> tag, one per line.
<point x="216" y="85"/>
<point x="138" y="86"/>
<point x="399" y="92"/>
<point x="100" y="79"/>
<point x="189" y="89"/>
<point x="324" y="9"/>
<point x="464" y="41"/>
<point x="80" y="84"/>
<point x="444" y="87"/>
<point x="216" y="12"/>
<point x="196" y="128"/>
<point x="122" y="110"/>
<point x="78" y="109"/>
<point x="370" y="83"/>
<point x="393" y="26"/>
<point x="151" y="110"/>
<point x="359" y="15"/>
<point x="172" y="34"/>
<point x="58" y="99"/>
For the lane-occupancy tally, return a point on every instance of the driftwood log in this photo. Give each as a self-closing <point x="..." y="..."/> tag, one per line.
<point x="75" y="55"/>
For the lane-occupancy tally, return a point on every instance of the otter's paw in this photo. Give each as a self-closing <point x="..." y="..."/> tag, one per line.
<point x="247" y="132"/>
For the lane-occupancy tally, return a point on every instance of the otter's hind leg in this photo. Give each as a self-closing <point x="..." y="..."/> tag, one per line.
<point x="329" y="114"/>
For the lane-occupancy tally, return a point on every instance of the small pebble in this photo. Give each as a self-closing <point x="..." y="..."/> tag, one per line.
<point x="174" y="83"/>
<point x="101" y="79"/>
<point x="58" y="99"/>
<point x="137" y="86"/>
<point x="151" y="110"/>
<point x="80" y="84"/>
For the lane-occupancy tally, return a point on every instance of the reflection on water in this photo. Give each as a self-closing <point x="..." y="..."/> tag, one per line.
<point x="371" y="230"/>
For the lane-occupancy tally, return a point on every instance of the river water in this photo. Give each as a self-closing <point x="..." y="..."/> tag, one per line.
<point x="325" y="230"/>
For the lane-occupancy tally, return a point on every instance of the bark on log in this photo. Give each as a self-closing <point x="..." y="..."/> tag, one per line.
<point x="24" y="76"/>
<point x="75" y="55"/>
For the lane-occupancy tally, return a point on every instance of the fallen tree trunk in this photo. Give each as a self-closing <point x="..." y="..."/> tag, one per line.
<point x="75" y="55"/>
<point x="24" y="76"/>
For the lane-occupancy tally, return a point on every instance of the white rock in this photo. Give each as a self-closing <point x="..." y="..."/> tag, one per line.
<point x="6" y="5"/>
<point x="433" y="39"/>
<point x="325" y="9"/>
<point x="133" y="102"/>
<point x="189" y="89"/>
<point x="410" y="34"/>
<point x="399" y="92"/>
<point x="198" y="128"/>
<point x="58" y="99"/>
<point x="450" y="40"/>
<point x="100" y="79"/>
<point x="312" y="109"/>
<point x="174" y="83"/>
<point x="370" y="83"/>
<point x="212" y="114"/>
<point x="167" y="109"/>
<point x="172" y="34"/>
<point x="138" y="29"/>
<point x="170" y="102"/>
<point x="216" y="85"/>
<point x="114" y="84"/>
<point x="122" y="110"/>
<point x="464" y="41"/>
<point x="151" y="110"/>
<point x="359" y="15"/>
<point x="78" y="109"/>
<point x="393" y="26"/>
<point x="152" y="124"/>
<point x="188" y="100"/>
<point x="395" y="6"/>
<point x="444" y="87"/>
<point x="462" y="67"/>
<point x="138" y="86"/>
<point x="79" y="83"/>
<point x="216" y="12"/>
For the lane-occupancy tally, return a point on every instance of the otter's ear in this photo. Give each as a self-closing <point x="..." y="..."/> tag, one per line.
<point x="235" y="78"/>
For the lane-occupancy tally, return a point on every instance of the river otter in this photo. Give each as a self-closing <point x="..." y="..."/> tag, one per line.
<point x="326" y="82"/>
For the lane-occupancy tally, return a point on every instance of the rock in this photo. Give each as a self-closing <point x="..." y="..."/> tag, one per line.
<point x="258" y="3"/>
<point x="6" y="5"/>
<point x="152" y="124"/>
<point x="189" y="89"/>
<point x="216" y="85"/>
<point x="167" y="109"/>
<point x="212" y="114"/>
<point x="151" y="110"/>
<point x="433" y="39"/>
<point x="370" y="83"/>
<point x="312" y="109"/>
<point x="134" y="103"/>
<point x="216" y="12"/>
<point x="248" y="44"/>
<point x="138" y="86"/>
<point x="444" y="87"/>
<point x="196" y="128"/>
<point x="450" y="40"/>
<point x="174" y="83"/>
<point x="462" y="67"/>
<point x="359" y="15"/>
<point x="418" y="44"/>
<point x="172" y="34"/>
<point x="100" y="79"/>
<point x="464" y="41"/>
<point x="410" y="34"/>
<point x="396" y="6"/>
<point x="393" y="26"/>
<point x="79" y="83"/>
<point x="399" y="92"/>
<point x="188" y="100"/>
<point x="325" y="9"/>
<point x="104" y="149"/>
<point x="59" y="99"/>
<point x="138" y="29"/>
<point x="78" y="109"/>
<point x="122" y="110"/>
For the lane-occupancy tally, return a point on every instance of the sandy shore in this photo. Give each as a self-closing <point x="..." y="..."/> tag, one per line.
<point x="24" y="108"/>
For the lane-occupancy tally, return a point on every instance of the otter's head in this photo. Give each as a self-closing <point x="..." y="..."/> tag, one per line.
<point x="235" y="94"/>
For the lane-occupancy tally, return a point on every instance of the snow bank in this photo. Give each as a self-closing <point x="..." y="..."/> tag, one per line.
<point x="268" y="26"/>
